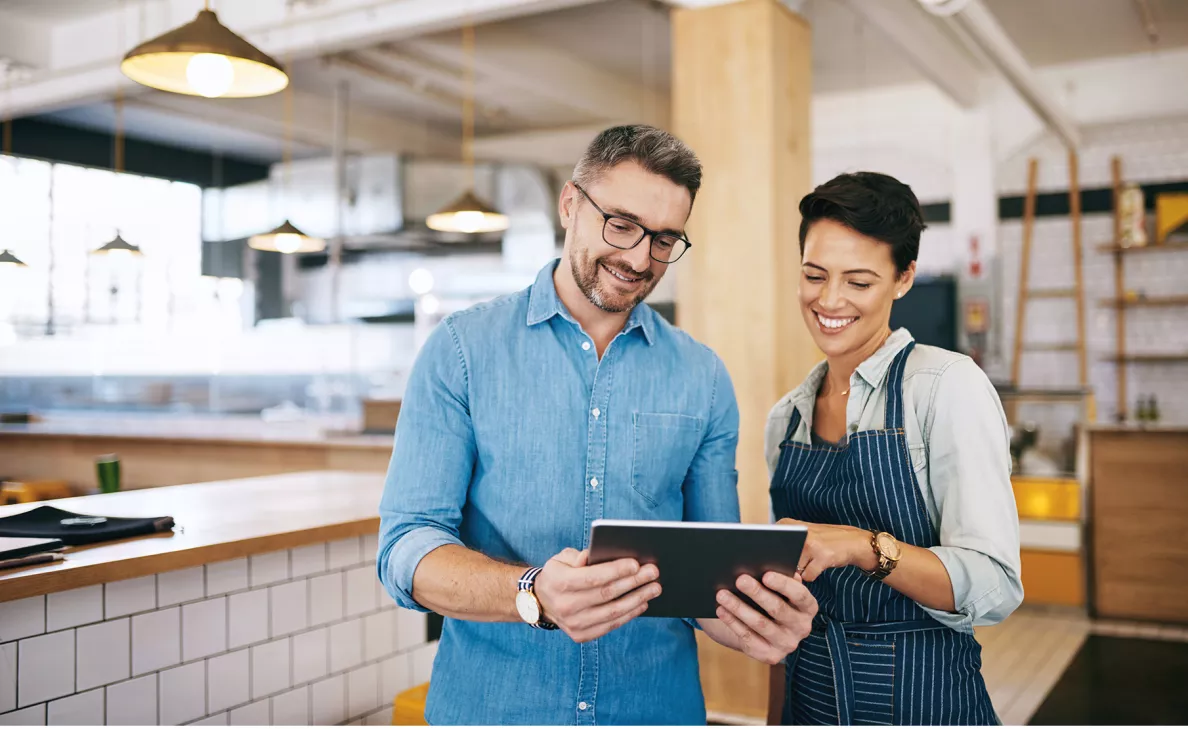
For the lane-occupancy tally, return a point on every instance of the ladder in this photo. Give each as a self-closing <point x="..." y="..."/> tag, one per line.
<point x="1077" y="293"/>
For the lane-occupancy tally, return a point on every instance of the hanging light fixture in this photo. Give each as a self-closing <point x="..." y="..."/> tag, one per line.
<point x="117" y="247"/>
<point x="204" y="58"/>
<point x="468" y="214"/>
<point x="9" y="259"/>
<point x="287" y="238"/>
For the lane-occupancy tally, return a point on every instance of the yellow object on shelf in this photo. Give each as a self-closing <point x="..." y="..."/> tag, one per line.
<point x="1171" y="214"/>
<point x="26" y="492"/>
<point x="1047" y="499"/>
<point x="409" y="707"/>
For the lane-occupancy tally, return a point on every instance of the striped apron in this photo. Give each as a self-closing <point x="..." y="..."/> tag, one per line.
<point x="874" y="656"/>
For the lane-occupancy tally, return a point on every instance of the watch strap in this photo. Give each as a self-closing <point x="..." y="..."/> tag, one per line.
<point x="527" y="584"/>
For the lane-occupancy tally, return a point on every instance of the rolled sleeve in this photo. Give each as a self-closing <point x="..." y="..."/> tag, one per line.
<point x="432" y="461"/>
<point x="969" y="469"/>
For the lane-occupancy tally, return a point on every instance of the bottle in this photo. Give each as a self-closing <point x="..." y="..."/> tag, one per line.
<point x="1153" y="410"/>
<point x="1141" y="414"/>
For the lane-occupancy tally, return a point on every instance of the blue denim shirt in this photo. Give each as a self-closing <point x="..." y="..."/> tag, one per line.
<point x="513" y="437"/>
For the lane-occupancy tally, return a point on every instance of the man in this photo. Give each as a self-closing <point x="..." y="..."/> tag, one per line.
<point x="527" y="418"/>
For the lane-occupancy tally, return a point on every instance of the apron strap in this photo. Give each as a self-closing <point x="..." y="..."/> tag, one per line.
<point x="893" y="412"/>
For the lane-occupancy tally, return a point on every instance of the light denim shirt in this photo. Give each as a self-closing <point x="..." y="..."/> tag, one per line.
<point x="959" y="443"/>
<point x="513" y="437"/>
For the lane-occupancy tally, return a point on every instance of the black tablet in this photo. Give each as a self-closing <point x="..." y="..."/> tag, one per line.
<point x="696" y="559"/>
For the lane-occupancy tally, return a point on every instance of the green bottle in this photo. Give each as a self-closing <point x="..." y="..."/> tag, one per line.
<point x="107" y="468"/>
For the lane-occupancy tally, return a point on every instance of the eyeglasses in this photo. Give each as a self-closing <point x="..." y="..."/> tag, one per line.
<point x="626" y="234"/>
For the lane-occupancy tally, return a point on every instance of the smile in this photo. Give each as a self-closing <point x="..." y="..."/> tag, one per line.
<point x="834" y="325"/>
<point x="620" y="276"/>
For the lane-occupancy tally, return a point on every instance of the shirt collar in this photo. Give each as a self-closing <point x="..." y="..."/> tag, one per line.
<point x="544" y="304"/>
<point x="873" y="370"/>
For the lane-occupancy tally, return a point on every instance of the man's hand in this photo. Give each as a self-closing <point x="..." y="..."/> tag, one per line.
<point x="770" y="640"/>
<point x="587" y="602"/>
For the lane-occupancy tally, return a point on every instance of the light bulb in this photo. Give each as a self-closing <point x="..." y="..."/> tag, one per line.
<point x="119" y="254"/>
<point x="210" y="74"/>
<point x="430" y="304"/>
<point x="469" y="221"/>
<point x="288" y="242"/>
<point x="420" y="281"/>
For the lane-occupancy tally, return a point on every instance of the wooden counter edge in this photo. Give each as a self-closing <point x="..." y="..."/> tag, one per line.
<point x="60" y="577"/>
<point x="364" y="442"/>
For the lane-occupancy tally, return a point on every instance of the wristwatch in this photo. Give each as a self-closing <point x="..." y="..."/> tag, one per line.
<point x="528" y="605"/>
<point x="886" y="548"/>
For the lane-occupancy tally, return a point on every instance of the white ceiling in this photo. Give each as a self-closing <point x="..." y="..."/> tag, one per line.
<point x="56" y="10"/>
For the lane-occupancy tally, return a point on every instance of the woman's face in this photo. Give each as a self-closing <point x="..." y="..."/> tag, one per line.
<point x="848" y="282"/>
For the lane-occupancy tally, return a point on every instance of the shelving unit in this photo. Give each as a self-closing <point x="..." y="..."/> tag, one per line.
<point x="1122" y="303"/>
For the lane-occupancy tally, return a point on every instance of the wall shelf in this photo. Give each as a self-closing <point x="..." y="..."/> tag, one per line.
<point x="1169" y="247"/>
<point x="1149" y="301"/>
<point x="1149" y="358"/>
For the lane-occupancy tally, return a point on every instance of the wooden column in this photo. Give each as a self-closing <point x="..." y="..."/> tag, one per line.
<point x="742" y="84"/>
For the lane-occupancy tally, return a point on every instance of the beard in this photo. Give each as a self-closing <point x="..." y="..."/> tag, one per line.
<point x="604" y="296"/>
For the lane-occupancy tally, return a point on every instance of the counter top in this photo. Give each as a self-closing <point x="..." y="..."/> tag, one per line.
<point x="215" y="521"/>
<point x="200" y="428"/>
<point x="1157" y="428"/>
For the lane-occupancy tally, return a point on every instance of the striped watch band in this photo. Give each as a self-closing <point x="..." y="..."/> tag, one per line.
<point x="527" y="584"/>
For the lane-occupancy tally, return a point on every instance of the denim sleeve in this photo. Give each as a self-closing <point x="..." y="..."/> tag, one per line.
<point x="432" y="461"/>
<point x="711" y="484"/>
<point x="969" y="467"/>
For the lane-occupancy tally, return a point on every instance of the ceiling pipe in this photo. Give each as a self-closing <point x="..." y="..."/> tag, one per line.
<point x="977" y="23"/>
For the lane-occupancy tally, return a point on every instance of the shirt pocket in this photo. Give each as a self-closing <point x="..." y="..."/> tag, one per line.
<point x="663" y="448"/>
<point x="919" y="456"/>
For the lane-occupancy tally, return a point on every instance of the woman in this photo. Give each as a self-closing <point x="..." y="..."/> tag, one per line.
<point x="896" y="457"/>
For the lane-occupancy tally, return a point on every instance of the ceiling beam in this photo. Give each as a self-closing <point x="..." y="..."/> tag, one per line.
<point x="541" y="147"/>
<point x="927" y="46"/>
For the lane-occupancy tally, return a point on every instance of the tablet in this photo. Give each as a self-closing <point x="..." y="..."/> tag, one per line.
<point x="696" y="559"/>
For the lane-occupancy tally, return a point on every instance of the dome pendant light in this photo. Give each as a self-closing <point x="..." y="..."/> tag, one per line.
<point x="117" y="246"/>
<point x="204" y="58"/>
<point x="468" y="214"/>
<point x="7" y="258"/>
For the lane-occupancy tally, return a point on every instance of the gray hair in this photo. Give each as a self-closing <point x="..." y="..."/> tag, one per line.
<point x="654" y="149"/>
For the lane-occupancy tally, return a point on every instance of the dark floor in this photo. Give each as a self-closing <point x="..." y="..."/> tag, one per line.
<point x="1121" y="681"/>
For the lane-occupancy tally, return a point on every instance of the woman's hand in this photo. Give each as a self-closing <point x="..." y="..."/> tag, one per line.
<point x="830" y="545"/>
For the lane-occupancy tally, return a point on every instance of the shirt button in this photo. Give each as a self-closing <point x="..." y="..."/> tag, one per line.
<point x="596" y="412"/>
<point x="586" y="346"/>
<point x="594" y="483"/>
<point x="583" y="706"/>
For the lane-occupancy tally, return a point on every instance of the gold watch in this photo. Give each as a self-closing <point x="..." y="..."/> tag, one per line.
<point x="886" y="548"/>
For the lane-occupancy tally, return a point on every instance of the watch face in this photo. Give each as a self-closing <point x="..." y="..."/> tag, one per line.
<point x="888" y="546"/>
<point x="528" y="607"/>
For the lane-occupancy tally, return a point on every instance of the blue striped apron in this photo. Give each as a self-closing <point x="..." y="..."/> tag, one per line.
<point x="874" y="656"/>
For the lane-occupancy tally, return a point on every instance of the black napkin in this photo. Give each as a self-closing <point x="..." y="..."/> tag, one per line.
<point x="46" y="522"/>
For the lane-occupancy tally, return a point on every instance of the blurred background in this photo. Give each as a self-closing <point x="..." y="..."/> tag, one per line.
<point x="155" y="309"/>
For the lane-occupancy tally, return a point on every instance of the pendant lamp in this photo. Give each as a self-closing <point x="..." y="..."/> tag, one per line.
<point x="204" y="58"/>
<point x="468" y="213"/>
<point x="7" y="259"/>
<point x="117" y="246"/>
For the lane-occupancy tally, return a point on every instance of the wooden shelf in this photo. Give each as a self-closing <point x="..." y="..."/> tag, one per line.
<point x="1169" y="247"/>
<point x="1051" y="347"/>
<point x="1043" y="395"/>
<point x="1149" y="301"/>
<point x="1148" y="358"/>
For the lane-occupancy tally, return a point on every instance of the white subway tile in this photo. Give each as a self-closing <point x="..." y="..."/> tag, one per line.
<point x="178" y="586"/>
<point x="270" y="668"/>
<point x="411" y="628"/>
<point x="269" y="568"/>
<point x="325" y="599"/>
<point x="309" y="560"/>
<point x="382" y="598"/>
<point x="224" y="577"/>
<point x="22" y="618"/>
<point x="370" y="547"/>
<point x="383" y="717"/>
<point x="311" y="656"/>
<point x="290" y="607"/>
<point x="360" y="591"/>
<point x="379" y="635"/>
<point x="228" y="680"/>
<point x="363" y="690"/>
<point x="346" y="645"/>
<point x="291" y="709"/>
<point x="422" y="663"/>
<point x="8" y="677"/>
<point x="249" y="617"/>
<point x="42" y="668"/>
<point x="345" y="553"/>
<point x="156" y="641"/>
<point x="204" y="628"/>
<point x="133" y="703"/>
<point x="72" y="608"/>
<point x="395" y="677"/>
<point x="216" y="720"/>
<point x="257" y="714"/>
<point x="129" y="596"/>
<point x="183" y="694"/>
<point x="104" y="653"/>
<point x="329" y="701"/>
<point x="84" y="709"/>
<point x="32" y="716"/>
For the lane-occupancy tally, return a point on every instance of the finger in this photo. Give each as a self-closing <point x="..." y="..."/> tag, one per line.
<point x="611" y="591"/>
<point x="600" y="630"/>
<point x="595" y="576"/>
<point x="611" y="612"/>
<point x="568" y="557"/>
<point x="813" y="570"/>
<point x="756" y="621"/>
<point x="752" y="643"/>
<point x="791" y="588"/>
<point x="583" y="558"/>
<point x="772" y="603"/>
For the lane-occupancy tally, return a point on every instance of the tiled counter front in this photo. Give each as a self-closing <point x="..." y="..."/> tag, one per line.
<point x="304" y="636"/>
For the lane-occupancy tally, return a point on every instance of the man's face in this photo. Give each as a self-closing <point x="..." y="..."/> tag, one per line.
<point x="613" y="279"/>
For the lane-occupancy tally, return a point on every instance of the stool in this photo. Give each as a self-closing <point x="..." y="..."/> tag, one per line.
<point x="409" y="707"/>
<point x="25" y="492"/>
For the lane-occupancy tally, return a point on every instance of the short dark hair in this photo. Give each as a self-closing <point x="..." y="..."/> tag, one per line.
<point x="656" y="150"/>
<point x="873" y="204"/>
